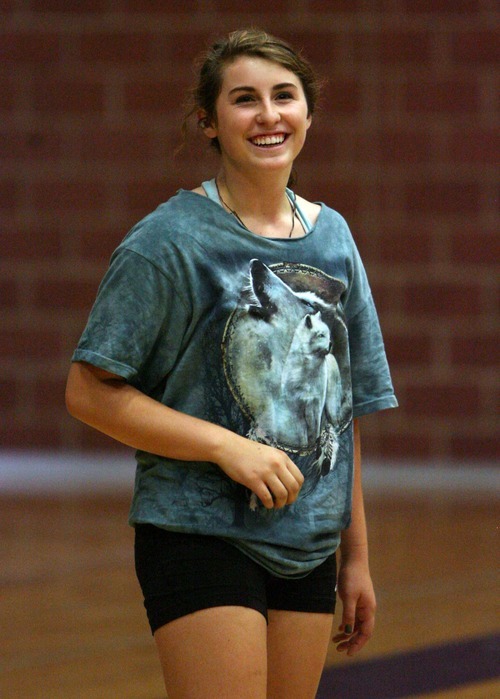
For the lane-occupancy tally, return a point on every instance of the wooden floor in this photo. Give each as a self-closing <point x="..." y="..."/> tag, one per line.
<point x="73" y="626"/>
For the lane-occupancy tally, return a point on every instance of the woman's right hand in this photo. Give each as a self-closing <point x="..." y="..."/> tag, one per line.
<point x="266" y="471"/>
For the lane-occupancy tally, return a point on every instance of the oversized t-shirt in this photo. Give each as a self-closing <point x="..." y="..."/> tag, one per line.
<point x="276" y="339"/>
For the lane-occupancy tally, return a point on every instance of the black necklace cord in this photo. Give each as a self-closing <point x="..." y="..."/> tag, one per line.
<point x="293" y="207"/>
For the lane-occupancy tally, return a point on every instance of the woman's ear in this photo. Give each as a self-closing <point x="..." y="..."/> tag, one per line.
<point x="205" y="125"/>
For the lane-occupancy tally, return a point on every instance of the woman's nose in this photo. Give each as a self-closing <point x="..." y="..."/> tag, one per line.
<point x="268" y="113"/>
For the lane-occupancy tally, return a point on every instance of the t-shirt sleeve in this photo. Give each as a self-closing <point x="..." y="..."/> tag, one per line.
<point x="133" y="327"/>
<point x="372" y="388"/>
<point x="371" y="380"/>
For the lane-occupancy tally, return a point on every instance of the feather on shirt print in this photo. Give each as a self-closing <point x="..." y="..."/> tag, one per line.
<point x="285" y="354"/>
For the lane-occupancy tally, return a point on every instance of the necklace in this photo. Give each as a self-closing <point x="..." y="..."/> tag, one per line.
<point x="293" y="206"/>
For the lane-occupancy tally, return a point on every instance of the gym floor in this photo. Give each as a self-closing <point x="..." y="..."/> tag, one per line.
<point x="73" y="625"/>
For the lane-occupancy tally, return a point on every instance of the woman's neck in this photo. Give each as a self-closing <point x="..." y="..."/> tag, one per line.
<point x="259" y="199"/>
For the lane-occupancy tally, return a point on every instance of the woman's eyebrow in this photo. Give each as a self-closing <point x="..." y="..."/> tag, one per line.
<point x="249" y="88"/>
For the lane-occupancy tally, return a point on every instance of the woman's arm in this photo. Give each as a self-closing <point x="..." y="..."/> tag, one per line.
<point x="109" y="404"/>
<point x="355" y="586"/>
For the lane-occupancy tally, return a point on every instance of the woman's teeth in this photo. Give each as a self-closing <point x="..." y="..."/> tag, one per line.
<point x="268" y="140"/>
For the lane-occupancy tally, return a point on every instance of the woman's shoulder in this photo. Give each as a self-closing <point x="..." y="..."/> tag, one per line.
<point x="309" y="209"/>
<point x="166" y="222"/>
<point x="199" y="190"/>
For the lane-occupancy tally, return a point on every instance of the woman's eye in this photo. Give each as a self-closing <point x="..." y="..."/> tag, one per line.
<point x="284" y="96"/>
<point x="244" y="98"/>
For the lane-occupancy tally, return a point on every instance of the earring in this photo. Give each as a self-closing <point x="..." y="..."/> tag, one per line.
<point x="202" y="123"/>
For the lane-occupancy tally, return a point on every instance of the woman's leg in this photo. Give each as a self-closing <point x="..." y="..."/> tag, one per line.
<point x="216" y="653"/>
<point x="297" y="647"/>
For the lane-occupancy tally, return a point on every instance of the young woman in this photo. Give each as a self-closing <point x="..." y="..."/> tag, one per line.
<point x="234" y="343"/>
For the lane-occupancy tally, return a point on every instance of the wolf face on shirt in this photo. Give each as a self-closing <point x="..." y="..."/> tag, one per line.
<point x="282" y="361"/>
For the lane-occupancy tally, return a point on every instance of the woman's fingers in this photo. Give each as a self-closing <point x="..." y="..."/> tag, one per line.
<point x="296" y="473"/>
<point x="264" y="495"/>
<point x="284" y="485"/>
<point x="277" y="487"/>
<point x="293" y="480"/>
<point x="268" y="472"/>
<point x="279" y="493"/>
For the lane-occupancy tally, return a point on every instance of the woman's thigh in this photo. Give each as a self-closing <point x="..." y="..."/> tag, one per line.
<point x="297" y="647"/>
<point x="216" y="653"/>
<point x="208" y="603"/>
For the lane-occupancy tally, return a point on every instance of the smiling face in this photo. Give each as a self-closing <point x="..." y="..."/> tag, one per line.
<point x="261" y="115"/>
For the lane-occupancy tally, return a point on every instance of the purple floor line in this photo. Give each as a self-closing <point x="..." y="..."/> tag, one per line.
<point x="432" y="669"/>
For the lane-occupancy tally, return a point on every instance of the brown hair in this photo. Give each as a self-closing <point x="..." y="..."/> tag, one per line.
<point x="246" y="42"/>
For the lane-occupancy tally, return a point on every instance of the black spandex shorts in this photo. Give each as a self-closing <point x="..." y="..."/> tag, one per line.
<point x="182" y="573"/>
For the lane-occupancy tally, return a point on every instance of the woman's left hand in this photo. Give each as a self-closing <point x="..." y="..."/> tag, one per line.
<point x="355" y="589"/>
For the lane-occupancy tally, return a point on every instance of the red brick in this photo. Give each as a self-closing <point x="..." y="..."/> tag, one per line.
<point x="479" y="350"/>
<point x="397" y="47"/>
<point x="477" y="145"/>
<point x="96" y="244"/>
<point x="162" y="96"/>
<point x="406" y="444"/>
<point x="65" y="294"/>
<point x="428" y="127"/>
<point x="359" y="146"/>
<point x="319" y="140"/>
<point x="341" y="96"/>
<point x="448" y="96"/>
<point x="49" y="394"/>
<point x="344" y="195"/>
<point x="7" y="99"/>
<point x="158" y="6"/>
<point x="81" y="7"/>
<point x="476" y="47"/>
<point x="452" y="7"/>
<point x="119" y="47"/>
<point x="475" y="249"/>
<point x="21" y="344"/>
<point x="8" y="293"/>
<point x="404" y="147"/>
<point x="450" y="197"/>
<point x="408" y="246"/>
<point x="24" y="47"/>
<point x="183" y="48"/>
<point x="8" y="392"/>
<point x="65" y="195"/>
<point x="144" y="195"/>
<point x="319" y="47"/>
<point x="385" y="296"/>
<point x="389" y="195"/>
<point x="256" y="7"/>
<point x="442" y="400"/>
<point x="406" y="350"/>
<point x="349" y="6"/>
<point x="475" y="448"/>
<point x="31" y="243"/>
<point x="116" y="144"/>
<point x="27" y="435"/>
<point x="32" y="145"/>
<point x="441" y="299"/>
<point x="9" y="194"/>
<point x="64" y="95"/>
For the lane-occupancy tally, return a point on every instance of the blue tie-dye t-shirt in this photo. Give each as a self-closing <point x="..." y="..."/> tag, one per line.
<point x="276" y="339"/>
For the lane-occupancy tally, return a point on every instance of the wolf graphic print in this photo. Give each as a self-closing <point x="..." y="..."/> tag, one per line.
<point x="285" y="360"/>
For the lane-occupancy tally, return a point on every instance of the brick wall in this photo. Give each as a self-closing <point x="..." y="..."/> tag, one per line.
<point x="404" y="147"/>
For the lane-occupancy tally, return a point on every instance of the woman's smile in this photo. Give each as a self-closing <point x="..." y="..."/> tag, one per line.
<point x="261" y="115"/>
<point x="269" y="140"/>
